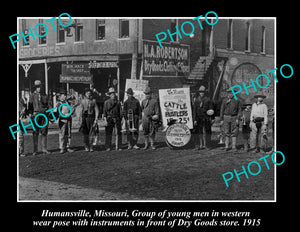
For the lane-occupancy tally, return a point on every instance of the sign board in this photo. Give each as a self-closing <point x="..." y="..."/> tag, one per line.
<point x="169" y="60"/>
<point x="103" y="64"/>
<point x="76" y="69"/>
<point x="178" y="135"/>
<point x="138" y="87"/>
<point x="44" y="51"/>
<point x="76" y="73"/>
<point x="76" y="79"/>
<point x="175" y="104"/>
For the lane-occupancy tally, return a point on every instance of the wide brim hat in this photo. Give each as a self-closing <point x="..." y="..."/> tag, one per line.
<point x="111" y="90"/>
<point x="87" y="90"/>
<point x="247" y="102"/>
<point x="147" y="90"/>
<point x="37" y="83"/>
<point x="259" y="95"/>
<point x="130" y="91"/>
<point x="202" y="89"/>
<point x="63" y="91"/>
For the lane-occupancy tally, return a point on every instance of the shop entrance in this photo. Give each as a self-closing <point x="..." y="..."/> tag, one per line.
<point x="103" y="78"/>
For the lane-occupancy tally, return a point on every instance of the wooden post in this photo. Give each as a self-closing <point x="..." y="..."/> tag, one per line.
<point x="46" y="77"/>
<point x="118" y="78"/>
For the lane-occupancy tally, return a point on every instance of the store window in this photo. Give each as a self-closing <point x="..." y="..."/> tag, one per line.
<point x="230" y="34"/>
<point x="60" y="33"/>
<point x="174" y="23"/>
<point x="78" y="30"/>
<point x="263" y="40"/>
<point x="124" y="28"/>
<point x="247" y="46"/>
<point x="42" y="31"/>
<point x="100" y="29"/>
<point x="25" y="31"/>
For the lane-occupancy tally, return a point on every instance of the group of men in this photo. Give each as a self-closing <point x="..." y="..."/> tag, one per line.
<point x="113" y="113"/>
<point x="254" y="118"/>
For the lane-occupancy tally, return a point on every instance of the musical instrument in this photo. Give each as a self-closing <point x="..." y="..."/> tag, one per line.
<point x="130" y="121"/>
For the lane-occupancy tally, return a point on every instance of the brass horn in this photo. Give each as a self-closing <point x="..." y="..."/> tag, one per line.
<point x="131" y="121"/>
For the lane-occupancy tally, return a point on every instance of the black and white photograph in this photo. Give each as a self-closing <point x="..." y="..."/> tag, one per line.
<point x="134" y="109"/>
<point x="171" y="118"/>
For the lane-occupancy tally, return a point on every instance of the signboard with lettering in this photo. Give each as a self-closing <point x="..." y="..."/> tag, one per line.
<point x="103" y="64"/>
<point x="76" y="79"/>
<point x="76" y="69"/>
<point x="178" y="135"/>
<point x="169" y="60"/>
<point x="43" y="51"/>
<point x="175" y="104"/>
<point x="76" y="73"/>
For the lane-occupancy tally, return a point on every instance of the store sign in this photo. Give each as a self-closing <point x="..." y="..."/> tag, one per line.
<point x="169" y="60"/>
<point x="76" y="73"/>
<point x="77" y="69"/>
<point x="76" y="79"/>
<point x="26" y="52"/>
<point x="138" y="87"/>
<point x="178" y="135"/>
<point x="175" y="104"/>
<point x="103" y="64"/>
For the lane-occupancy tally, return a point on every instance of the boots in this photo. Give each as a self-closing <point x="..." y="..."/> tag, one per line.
<point x="152" y="143"/>
<point x="246" y="147"/>
<point x="44" y="145"/>
<point x="35" y="138"/>
<point x="234" y="144"/>
<point x="146" y="142"/>
<point x="226" y="143"/>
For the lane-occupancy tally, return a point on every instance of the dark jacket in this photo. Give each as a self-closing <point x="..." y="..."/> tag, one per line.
<point x="230" y="107"/>
<point x="150" y="107"/>
<point x="201" y="106"/>
<point x="133" y="104"/>
<point x="112" y="108"/>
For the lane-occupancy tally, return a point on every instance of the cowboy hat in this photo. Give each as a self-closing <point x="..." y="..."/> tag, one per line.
<point x="202" y="89"/>
<point x="111" y="90"/>
<point x="247" y="102"/>
<point x="259" y="95"/>
<point x="37" y="83"/>
<point x="147" y="90"/>
<point x="130" y="91"/>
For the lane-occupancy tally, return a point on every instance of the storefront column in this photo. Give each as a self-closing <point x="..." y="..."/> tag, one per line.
<point x="46" y="77"/>
<point x="118" y="78"/>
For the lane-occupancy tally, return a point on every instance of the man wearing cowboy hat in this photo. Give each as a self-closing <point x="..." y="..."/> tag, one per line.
<point x="132" y="106"/>
<point x="90" y="113"/>
<point x="39" y="102"/>
<point x="201" y="114"/>
<point x="150" y="118"/>
<point x="112" y="113"/>
<point x="230" y="114"/>
<point x="64" y="124"/>
<point x="258" y="122"/>
<point x="246" y="123"/>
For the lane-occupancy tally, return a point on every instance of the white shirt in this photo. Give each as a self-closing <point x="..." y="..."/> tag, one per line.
<point x="259" y="110"/>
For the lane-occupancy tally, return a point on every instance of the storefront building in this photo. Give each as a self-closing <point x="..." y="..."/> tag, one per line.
<point x="107" y="51"/>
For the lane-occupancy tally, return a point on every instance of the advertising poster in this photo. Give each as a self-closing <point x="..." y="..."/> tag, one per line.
<point x="234" y="171"/>
<point x="175" y="104"/>
<point x="138" y="87"/>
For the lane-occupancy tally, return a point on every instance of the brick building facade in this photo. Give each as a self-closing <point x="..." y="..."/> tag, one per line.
<point x="117" y="48"/>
